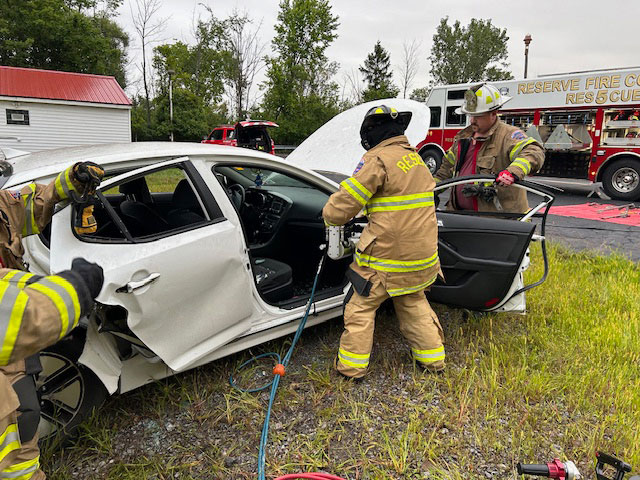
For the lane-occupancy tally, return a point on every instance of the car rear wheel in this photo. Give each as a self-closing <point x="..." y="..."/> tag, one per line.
<point x="621" y="179"/>
<point x="432" y="158"/>
<point x="68" y="392"/>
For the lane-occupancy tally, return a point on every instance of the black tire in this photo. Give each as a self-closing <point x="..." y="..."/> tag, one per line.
<point x="432" y="158"/>
<point x="68" y="392"/>
<point x="621" y="179"/>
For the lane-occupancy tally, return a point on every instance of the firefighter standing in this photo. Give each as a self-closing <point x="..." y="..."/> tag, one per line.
<point x="26" y="212"/>
<point x="489" y="146"/>
<point x="397" y="255"/>
<point x="35" y="312"/>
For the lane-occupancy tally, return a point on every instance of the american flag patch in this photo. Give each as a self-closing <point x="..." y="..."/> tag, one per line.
<point x="359" y="166"/>
<point x="15" y="194"/>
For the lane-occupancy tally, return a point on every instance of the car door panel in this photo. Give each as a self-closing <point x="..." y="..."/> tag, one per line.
<point x="186" y="293"/>
<point x="480" y="257"/>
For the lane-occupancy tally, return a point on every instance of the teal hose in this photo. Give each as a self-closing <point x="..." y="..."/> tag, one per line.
<point x="276" y="378"/>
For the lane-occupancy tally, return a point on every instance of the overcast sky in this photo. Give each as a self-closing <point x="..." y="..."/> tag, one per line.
<point x="568" y="35"/>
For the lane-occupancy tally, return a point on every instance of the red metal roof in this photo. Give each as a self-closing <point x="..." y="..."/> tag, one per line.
<point x="75" y="87"/>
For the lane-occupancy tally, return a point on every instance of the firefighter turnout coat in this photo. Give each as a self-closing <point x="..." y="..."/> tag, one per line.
<point x="35" y="312"/>
<point x="397" y="254"/>
<point x="27" y="211"/>
<point x="28" y="326"/>
<point x="394" y="188"/>
<point x="505" y="148"/>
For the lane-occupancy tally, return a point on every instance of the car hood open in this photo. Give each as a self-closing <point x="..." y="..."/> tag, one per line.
<point x="335" y="146"/>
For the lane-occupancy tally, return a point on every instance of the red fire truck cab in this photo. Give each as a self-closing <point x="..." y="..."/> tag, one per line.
<point x="588" y="122"/>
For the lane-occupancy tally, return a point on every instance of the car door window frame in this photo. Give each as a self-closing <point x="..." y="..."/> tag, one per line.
<point x="207" y="201"/>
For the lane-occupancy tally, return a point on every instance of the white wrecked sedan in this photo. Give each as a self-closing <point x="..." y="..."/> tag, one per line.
<point x="208" y="250"/>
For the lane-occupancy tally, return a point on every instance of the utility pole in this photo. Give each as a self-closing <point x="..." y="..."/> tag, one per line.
<point x="527" y="41"/>
<point x="171" y="72"/>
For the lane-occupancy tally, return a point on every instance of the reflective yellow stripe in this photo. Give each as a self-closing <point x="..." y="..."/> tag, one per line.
<point x="523" y="164"/>
<point x="64" y="185"/>
<point x="9" y="441"/>
<point x="18" y="278"/>
<point x="429" y="356"/>
<point x="64" y="297"/>
<point x="355" y="360"/>
<point x="356" y="190"/>
<point x="402" y="202"/>
<point x="395" y="292"/>
<point x="13" y="302"/>
<point x="21" y="471"/>
<point x="387" y="265"/>
<point x="30" y="226"/>
<point x="329" y="224"/>
<point x="515" y="151"/>
<point x="451" y="157"/>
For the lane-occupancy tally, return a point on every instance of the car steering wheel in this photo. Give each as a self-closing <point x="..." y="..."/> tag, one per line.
<point x="237" y="193"/>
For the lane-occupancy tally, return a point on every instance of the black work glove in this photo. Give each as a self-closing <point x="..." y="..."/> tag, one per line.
<point x="91" y="274"/>
<point x="88" y="173"/>
<point x="471" y="190"/>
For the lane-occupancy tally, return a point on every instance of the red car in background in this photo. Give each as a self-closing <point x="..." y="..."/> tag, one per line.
<point x="251" y="134"/>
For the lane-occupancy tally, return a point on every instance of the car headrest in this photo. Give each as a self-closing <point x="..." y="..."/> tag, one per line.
<point x="184" y="197"/>
<point x="138" y="188"/>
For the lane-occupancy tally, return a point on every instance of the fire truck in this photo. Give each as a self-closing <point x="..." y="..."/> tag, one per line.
<point x="588" y="122"/>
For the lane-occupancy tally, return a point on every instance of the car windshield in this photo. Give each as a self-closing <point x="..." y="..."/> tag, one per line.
<point x="270" y="178"/>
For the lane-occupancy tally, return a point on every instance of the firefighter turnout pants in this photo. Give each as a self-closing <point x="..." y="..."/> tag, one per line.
<point x="417" y="321"/>
<point x="19" y="416"/>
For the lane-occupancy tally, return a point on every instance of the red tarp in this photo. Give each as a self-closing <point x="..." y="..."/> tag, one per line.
<point x="600" y="212"/>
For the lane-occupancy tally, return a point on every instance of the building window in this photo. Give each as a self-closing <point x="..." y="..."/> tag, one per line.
<point x="17" y="117"/>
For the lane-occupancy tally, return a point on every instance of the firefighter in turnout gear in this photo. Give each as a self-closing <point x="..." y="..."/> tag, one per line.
<point x="489" y="146"/>
<point x="24" y="212"/>
<point x="397" y="254"/>
<point x="35" y="312"/>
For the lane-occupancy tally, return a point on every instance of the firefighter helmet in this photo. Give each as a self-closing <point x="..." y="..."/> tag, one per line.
<point x="481" y="99"/>
<point x="381" y="113"/>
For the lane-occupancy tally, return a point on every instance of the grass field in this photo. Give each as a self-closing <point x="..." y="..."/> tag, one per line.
<point x="561" y="381"/>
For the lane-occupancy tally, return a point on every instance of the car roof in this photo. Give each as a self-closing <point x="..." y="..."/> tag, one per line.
<point x="48" y="163"/>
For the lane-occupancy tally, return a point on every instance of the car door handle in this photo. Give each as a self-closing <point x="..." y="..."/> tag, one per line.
<point x="131" y="286"/>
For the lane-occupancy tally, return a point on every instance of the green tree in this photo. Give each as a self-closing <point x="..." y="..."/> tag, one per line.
<point x="420" y="94"/>
<point x="377" y="73"/>
<point x="300" y="93"/>
<point x="197" y="74"/>
<point x="59" y="35"/>
<point x="477" y="52"/>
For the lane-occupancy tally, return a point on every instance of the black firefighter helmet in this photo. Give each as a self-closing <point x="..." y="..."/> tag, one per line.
<point x="382" y="122"/>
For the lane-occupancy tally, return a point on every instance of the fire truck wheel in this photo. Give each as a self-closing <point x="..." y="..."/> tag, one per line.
<point x="621" y="179"/>
<point x="432" y="158"/>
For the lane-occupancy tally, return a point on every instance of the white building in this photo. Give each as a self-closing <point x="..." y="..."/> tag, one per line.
<point x="43" y="109"/>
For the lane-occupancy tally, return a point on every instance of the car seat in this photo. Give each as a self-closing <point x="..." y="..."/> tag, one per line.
<point x="274" y="279"/>
<point x="186" y="208"/>
<point x="138" y="215"/>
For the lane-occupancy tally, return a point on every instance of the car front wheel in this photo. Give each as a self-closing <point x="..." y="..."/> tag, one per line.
<point x="68" y="392"/>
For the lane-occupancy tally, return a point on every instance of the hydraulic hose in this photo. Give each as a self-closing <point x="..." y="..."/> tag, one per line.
<point x="278" y="372"/>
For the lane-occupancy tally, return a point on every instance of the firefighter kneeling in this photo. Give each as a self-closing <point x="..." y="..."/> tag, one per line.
<point x="35" y="312"/>
<point x="397" y="255"/>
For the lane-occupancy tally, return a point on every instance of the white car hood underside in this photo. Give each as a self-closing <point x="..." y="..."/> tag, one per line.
<point x="335" y="146"/>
